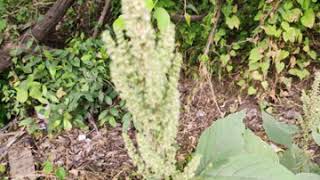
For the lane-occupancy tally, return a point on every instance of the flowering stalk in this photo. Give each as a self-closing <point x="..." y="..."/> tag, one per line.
<point x="145" y="70"/>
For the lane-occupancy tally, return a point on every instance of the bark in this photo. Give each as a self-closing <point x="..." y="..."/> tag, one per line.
<point x="38" y="32"/>
<point x="51" y="19"/>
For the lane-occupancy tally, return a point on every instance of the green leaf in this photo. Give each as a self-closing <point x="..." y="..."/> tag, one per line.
<point x="252" y="90"/>
<point x="3" y="169"/>
<point x="301" y="73"/>
<point x="308" y="18"/>
<point x="47" y="167"/>
<point x="108" y="100"/>
<point x="233" y="22"/>
<point x="271" y="30"/>
<point x="119" y="23"/>
<point x="281" y="55"/>
<point x="316" y="136"/>
<point x="126" y="121"/>
<point x="255" y="55"/>
<point x="221" y="140"/>
<point x="22" y="95"/>
<point x="163" y="18"/>
<point x="114" y="112"/>
<point x="279" y="66"/>
<point x="149" y="4"/>
<point x="308" y="176"/>
<point x="187" y="17"/>
<point x="52" y="69"/>
<point x="296" y="160"/>
<point x="3" y="24"/>
<point x="225" y="58"/>
<point x="304" y="3"/>
<point x="248" y="167"/>
<point x="255" y="145"/>
<point x="103" y="115"/>
<point x="112" y="121"/>
<point x="277" y="131"/>
<point x="61" y="173"/>
<point x="66" y="121"/>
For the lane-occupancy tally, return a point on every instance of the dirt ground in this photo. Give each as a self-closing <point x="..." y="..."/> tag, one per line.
<point x="101" y="154"/>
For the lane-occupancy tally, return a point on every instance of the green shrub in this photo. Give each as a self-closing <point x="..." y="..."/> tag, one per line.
<point x="61" y="86"/>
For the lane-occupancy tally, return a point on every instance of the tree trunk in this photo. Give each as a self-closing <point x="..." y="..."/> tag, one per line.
<point x="39" y="31"/>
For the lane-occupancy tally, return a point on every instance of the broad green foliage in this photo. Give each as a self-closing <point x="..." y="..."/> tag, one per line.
<point x="295" y="159"/>
<point x="229" y="151"/>
<point x="62" y="86"/>
<point x="277" y="131"/>
<point x="145" y="70"/>
<point x="257" y="39"/>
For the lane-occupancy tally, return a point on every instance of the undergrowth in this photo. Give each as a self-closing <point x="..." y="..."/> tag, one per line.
<point x="63" y="88"/>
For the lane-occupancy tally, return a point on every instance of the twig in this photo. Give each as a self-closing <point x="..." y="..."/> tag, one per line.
<point x="274" y="8"/>
<point x="213" y="29"/>
<point x="101" y="19"/>
<point x="91" y="121"/>
<point x="205" y="75"/>
<point x="179" y="17"/>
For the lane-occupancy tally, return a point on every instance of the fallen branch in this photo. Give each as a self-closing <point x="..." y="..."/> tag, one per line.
<point x="39" y="32"/>
<point x="102" y="17"/>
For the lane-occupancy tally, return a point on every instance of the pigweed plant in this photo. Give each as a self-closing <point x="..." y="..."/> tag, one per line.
<point x="145" y="71"/>
<point x="311" y="108"/>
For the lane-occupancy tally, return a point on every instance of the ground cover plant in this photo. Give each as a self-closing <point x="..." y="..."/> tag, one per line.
<point x="211" y="89"/>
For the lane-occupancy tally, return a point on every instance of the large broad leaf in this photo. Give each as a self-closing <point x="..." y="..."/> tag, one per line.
<point x="277" y="131"/>
<point x="222" y="140"/>
<point x="307" y="176"/>
<point x="255" y="145"/>
<point x="248" y="167"/>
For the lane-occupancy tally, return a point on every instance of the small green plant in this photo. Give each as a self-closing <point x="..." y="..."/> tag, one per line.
<point x="59" y="172"/>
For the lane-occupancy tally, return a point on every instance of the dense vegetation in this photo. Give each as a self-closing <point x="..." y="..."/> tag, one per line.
<point x="74" y="79"/>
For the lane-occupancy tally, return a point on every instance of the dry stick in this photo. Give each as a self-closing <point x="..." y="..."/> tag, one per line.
<point x="205" y="75"/>
<point x="102" y="17"/>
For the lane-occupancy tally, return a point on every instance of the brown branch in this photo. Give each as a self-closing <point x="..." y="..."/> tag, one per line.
<point x="193" y="18"/>
<point x="39" y="32"/>
<point x="204" y="73"/>
<point x="213" y="29"/>
<point x="51" y="19"/>
<point x="101" y="19"/>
